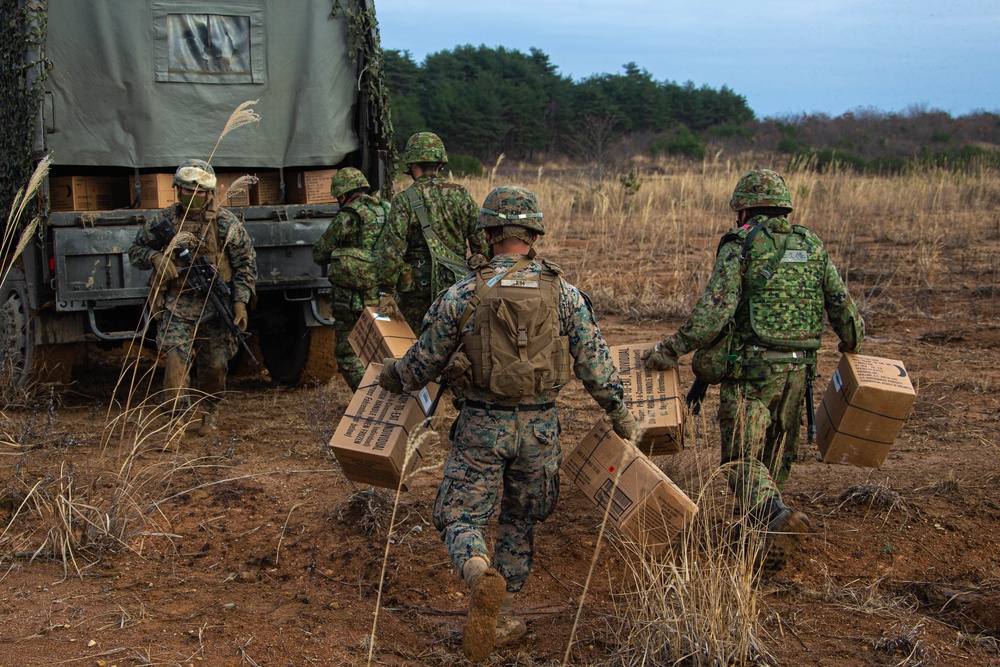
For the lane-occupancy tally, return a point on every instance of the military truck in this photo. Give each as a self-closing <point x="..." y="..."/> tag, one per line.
<point x="119" y="92"/>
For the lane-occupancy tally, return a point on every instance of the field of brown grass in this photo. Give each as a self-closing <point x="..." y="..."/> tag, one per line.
<point x="253" y="549"/>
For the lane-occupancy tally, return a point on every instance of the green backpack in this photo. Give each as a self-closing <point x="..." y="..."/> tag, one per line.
<point x="358" y="267"/>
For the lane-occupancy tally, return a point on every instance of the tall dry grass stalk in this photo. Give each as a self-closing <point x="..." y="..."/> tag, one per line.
<point x="9" y="252"/>
<point x="696" y="603"/>
<point x="420" y="438"/>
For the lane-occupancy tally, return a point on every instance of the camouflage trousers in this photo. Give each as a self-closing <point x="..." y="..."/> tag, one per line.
<point x="414" y="306"/>
<point x="760" y="420"/>
<point x="210" y="343"/>
<point x="348" y="364"/>
<point x="505" y="459"/>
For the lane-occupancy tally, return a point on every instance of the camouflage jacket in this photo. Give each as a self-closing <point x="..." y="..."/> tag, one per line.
<point x="230" y="250"/>
<point x="724" y="297"/>
<point x="359" y="224"/>
<point x="452" y="214"/>
<point x="592" y="364"/>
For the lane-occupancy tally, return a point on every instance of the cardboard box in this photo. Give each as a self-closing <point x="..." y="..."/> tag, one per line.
<point x="81" y="193"/>
<point x="645" y="504"/>
<point x="156" y="190"/>
<point x="310" y="187"/>
<point x="864" y="407"/>
<point x="654" y="397"/>
<point x="376" y="337"/>
<point x="240" y="196"/>
<point x="267" y="190"/>
<point x="371" y="439"/>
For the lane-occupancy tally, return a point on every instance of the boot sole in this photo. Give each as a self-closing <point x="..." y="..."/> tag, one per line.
<point x="481" y="626"/>
<point x="782" y="539"/>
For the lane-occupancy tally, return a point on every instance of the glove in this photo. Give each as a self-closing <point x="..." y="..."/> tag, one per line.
<point x="240" y="315"/>
<point x="659" y="358"/>
<point x="164" y="267"/>
<point x="389" y="378"/>
<point x="456" y="371"/>
<point x="623" y="423"/>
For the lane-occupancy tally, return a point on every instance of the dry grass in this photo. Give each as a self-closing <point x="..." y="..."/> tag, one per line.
<point x="648" y="254"/>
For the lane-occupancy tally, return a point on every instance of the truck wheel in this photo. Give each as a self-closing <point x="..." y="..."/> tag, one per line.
<point x="22" y="361"/>
<point x="299" y="354"/>
<point x="16" y="349"/>
<point x="321" y="363"/>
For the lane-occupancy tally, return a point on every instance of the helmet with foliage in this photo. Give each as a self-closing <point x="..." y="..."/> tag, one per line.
<point x="511" y="205"/>
<point x="761" y="188"/>
<point x="424" y="147"/>
<point x="195" y="175"/>
<point x="347" y="180"/>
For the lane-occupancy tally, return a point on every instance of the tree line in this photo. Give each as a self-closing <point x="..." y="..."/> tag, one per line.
<point x="486" y="101"/>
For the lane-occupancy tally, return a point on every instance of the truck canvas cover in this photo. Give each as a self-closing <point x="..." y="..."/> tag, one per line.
<point x="108" y="58"/>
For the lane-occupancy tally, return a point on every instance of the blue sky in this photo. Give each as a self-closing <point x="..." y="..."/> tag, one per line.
<point x="786" y="57"/>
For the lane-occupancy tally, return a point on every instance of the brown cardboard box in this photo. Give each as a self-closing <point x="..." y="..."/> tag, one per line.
<point x="645" y="504"/>
<point x="865" y="405"/>
<point x="376" y="337"/>
<point x="81" y="193"/>
<point x="310" y="187"/>
<point x="371" y="439"/>
<point x="224" y="181"/>
<point x="267" y="190"/>
<point x="654" y="397"/>
<point x="155" y="190"/>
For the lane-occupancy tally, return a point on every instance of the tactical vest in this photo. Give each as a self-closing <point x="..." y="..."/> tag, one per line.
<point x="783" y="290"/>
<point x="354" y="265"/>
<point x="515" y="348"/>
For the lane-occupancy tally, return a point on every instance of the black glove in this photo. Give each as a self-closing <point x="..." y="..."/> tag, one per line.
<point x="389" y="378"/>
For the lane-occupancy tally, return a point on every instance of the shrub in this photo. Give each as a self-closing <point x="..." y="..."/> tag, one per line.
<point x="464" y="165"/>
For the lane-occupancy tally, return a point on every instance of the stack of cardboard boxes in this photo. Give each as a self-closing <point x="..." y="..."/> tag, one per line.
<point x="865" y="405"/>
<point x="382" y="436"/>
<point x="617" y="476"/>
<point x="101" y="193"/>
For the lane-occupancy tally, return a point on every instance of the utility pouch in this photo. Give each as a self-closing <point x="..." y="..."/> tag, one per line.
<point x="522" y="341"/>
<point x="353" y="268"/>
<point x="717" y="360"/>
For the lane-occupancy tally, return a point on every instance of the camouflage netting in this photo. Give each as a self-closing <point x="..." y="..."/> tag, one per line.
<point x="22" y="27"/>
<point x="366" y="50"/>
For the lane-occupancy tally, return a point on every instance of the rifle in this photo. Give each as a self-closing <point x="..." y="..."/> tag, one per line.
<point x="810" y="413"/>
<point x="695" y="395"/>
<point x="204" y="278"/>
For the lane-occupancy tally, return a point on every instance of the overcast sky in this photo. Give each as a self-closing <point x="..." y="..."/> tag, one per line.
<point x="784" y="56"/>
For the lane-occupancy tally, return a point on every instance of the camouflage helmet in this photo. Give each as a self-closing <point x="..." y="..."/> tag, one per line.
<point x="424" y="147"/>
<point x="760" y="188"/>
<point x="347" y="180"/>
<point x="195" y="175"/>
<point x="511" y="205"/>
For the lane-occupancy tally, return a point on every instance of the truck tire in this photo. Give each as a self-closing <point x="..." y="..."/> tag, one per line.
<point x="21" y="361"/>
<point x="16" y="347"/>
<point x="299" y="355"/>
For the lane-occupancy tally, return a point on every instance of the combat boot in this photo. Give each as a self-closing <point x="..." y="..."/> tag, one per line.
<point x="488" y="589"/>
<point x="785" y="528"/>
<point x="209" y="421"/>
<point x="509" y="627"/>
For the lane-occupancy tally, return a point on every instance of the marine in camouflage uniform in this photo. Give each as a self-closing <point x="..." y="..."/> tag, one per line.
<point x="500" y="442"/>
<point x="778" y="321"/>
<point x="189" y="325"/>
<point x="358" y="224"/>
<point x="452" y="215"/>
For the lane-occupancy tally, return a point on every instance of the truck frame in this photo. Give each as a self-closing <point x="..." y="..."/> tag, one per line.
<point x="124" y="88"/>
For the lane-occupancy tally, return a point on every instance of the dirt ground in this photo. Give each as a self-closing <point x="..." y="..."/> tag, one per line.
<point x="253" y="549"/>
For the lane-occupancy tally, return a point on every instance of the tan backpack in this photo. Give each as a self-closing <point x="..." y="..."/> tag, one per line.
<point x="516" y="350"/>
